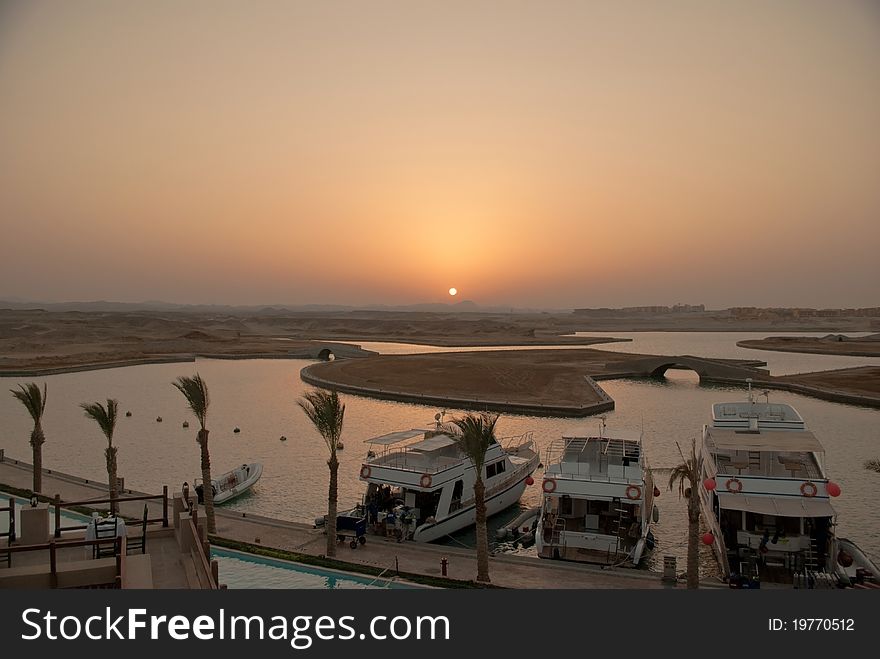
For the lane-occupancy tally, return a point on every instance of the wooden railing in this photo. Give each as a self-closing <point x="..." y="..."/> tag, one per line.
<point x="54" y="546"/>
<point x="58" y="504"/>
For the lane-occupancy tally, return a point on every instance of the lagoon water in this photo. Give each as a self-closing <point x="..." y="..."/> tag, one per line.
<point x="259" y="396"/>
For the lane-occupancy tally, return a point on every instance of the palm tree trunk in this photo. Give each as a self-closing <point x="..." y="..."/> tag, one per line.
<point x="207" y="485"/>
<point x="482" y="532"/>
<point x="693" y="555"/>
<point x="110" y="454"/>
<point x="37" y="439"/>
<point x="333" y="464"/>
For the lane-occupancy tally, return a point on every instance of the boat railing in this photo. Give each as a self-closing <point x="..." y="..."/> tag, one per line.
<point x="514" y="441"/>
<point x="397" y="459"/>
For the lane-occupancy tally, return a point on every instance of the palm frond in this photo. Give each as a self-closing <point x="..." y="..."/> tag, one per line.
<point x="105" y="417"/>
<point x="327" y="414"/>
<point x="474" y="434"/>
<point x="32" y="398"/>
<point x="873" y="465"/>
<point x="687" y="473"/>
<point x="195" y="391"/>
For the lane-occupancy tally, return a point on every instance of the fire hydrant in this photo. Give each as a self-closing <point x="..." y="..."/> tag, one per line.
<point x="444" y="563"/>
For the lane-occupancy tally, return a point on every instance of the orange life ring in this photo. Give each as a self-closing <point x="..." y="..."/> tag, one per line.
<point x="549" y="485"/>
<point x="734" y="485"/>
<point x="633" y="495"/>
<point x="809" y="489"/>
<point x="366" y="471"/>
<point x="426" y="480"/>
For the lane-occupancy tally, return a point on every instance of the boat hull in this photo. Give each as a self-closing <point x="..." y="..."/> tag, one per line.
<point x="467" y="516"/>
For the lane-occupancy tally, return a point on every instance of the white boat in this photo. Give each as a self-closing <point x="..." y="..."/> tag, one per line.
<point x="598" y="501"/>
<point x="233" y="483"/>
<point x="420" y="486"/>
<point x="768" y="500"/>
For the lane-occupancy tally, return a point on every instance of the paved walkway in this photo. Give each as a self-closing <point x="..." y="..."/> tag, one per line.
<point x="505" y="570"/>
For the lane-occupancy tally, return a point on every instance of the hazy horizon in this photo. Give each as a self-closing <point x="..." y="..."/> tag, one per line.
<point x="541" y="155"/>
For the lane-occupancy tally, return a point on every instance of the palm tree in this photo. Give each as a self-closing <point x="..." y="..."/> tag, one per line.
<point x="327" y="413"/>
<point x="105" y="417"/>
<point x="474" y="434"/>
<point x="686" y="476"/>
<point x="195" y="391"/>
<point x="35" y="402"/>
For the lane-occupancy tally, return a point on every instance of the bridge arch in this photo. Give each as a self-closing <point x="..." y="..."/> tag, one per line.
<point x="660" y="370"/>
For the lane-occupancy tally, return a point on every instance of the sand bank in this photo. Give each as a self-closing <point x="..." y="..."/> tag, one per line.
<point x="833" y="344"/>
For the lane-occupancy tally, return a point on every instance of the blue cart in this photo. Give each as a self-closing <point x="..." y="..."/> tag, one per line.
<point x="350" y="526"/>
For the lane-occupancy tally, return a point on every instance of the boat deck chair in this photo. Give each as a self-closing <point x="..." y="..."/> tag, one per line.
<point x="136" y="544"/>
<point x="105" y="529"/>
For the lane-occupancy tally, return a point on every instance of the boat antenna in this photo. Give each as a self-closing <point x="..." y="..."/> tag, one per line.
<point x="766" y="393"/>
<point x="749" y="381"/>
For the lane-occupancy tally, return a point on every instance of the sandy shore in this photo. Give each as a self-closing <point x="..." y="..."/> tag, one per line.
<point x="867" y="346"/>
<point x="546" y="382"/>
<point x="860" y="385"/>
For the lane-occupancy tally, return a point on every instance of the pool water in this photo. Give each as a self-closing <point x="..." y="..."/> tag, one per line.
<point x="68" y="518"/>
<point x="240" y="570"/>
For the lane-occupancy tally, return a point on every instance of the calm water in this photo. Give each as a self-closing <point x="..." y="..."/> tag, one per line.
<point x="240" y="570"/>
<point x="260" y="396"/>
<point x="723" y="345"/>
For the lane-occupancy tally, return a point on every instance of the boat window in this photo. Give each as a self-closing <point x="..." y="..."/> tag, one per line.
<point x="457" y="491"/>
<point x="495" y="468"/>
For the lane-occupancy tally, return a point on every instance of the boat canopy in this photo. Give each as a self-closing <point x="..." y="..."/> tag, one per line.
<point x="783" y="442"/>
<point x="395" y="437"/>
<point x="434" y="443"/>
<point x="794" y="507"/>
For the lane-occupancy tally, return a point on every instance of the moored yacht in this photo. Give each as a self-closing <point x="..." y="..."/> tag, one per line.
<point x="766" y="497"/>
<point x="598" y="501"/>
<point x="420" y="486"/>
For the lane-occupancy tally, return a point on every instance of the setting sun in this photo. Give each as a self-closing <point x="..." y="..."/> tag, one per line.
<point x="453" y="291"/>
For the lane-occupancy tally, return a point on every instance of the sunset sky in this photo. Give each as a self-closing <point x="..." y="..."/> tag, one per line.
<point x="550" y="154"/>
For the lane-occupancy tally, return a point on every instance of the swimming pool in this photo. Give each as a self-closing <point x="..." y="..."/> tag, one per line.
<point x="243" y="571"/>
<point x="68" y="518"/>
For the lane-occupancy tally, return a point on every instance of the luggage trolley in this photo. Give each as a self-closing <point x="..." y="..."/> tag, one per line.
<point x="351" y="526"/>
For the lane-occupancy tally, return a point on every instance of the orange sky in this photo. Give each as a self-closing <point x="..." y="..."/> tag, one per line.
<point x="549" y="154"/>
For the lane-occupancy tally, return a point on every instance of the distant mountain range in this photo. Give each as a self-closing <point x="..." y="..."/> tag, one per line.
<point x="464" y="306"/>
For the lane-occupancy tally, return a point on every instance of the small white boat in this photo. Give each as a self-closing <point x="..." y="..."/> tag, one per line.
<point x="521" y="529"/>
<point x="232" y="483"/>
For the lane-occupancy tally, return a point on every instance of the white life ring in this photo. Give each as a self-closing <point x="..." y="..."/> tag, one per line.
<point x="809" y="489"/>
<point x="426" y="480"/>
<point x="633" y="492"/>
<point x="366" y="471"/>
<point x="549" y="485"/>
<point x="734" y="485"/>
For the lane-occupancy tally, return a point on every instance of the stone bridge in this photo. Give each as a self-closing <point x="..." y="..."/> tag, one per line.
<point x="723" y="370"/>
<point x="331" y="350"/>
